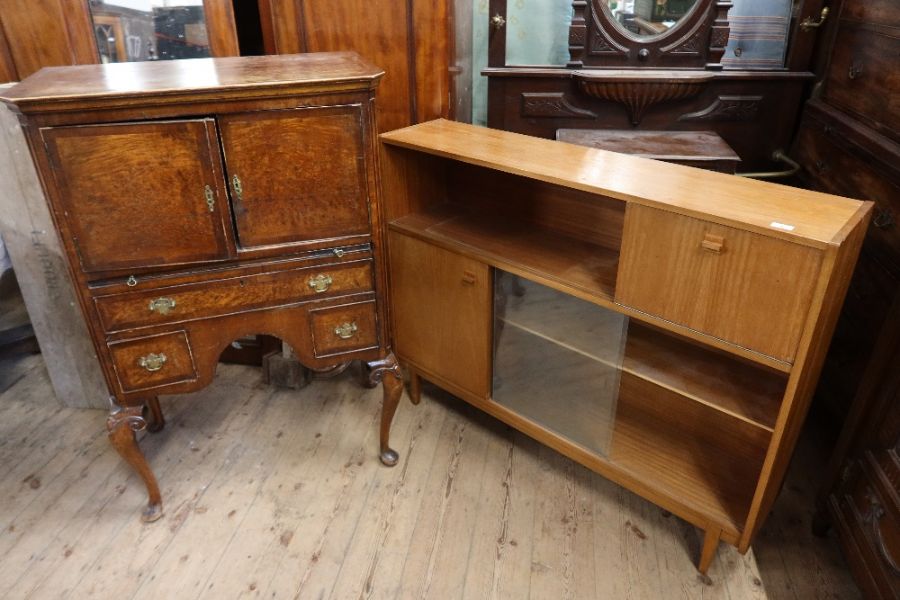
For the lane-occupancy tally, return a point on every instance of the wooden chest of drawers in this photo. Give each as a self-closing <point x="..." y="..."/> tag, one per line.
<point x="200" y="201"/>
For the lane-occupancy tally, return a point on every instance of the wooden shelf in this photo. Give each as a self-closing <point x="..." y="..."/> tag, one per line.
<point x="557" y="260"/>
<point x="688" y="452"/>
<point x="736" y="387"/>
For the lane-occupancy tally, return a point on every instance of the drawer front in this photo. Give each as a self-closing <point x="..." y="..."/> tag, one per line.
<point x="141" y="195"/>
<point x="863" y="78"/>
<point x="297" y="175"/>
<point x="345" y="328"/>
<point x="834" y="165"/>
<point x="742" y="287"/>
<point x="876" y="12"/>
<point x="151" y="362"/>
<point x="874" y="528"/>
<point x="228" y="296"/>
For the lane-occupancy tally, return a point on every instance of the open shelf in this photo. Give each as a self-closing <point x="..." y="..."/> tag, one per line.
<point x="518" y="246"/>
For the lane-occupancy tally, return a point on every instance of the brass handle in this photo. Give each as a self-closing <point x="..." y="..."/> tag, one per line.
<point x="320" y="283"/>
<point x="132" y="281"/>
<point x="808" y="22"/>
<point x="713" y="243"/>
<point x="883" y="219"/>
<point x="497" y="21"/>
<point x="855" y="70"/>
<point x="238" y="188"/>
<point x="210" y="198"/>
<point x="152" y="362"/>
<point x="345" y="331"/>
<point x="162" y="305"/>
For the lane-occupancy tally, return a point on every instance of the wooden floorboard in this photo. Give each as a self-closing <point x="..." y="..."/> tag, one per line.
<point x="279" y="494"/>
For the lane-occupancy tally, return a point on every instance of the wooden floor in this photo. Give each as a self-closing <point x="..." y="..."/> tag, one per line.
<point x="279" y="494"/>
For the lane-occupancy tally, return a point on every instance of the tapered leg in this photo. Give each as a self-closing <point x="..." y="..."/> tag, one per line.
<point x="122" y="424"/>
<point x="710" y="545"/>
<point x="153" y="415"/>
<point x="415" y="387"/>
<point x="392" y="387"/>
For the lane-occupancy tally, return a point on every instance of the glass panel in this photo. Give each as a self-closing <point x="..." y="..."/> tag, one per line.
<point x="537" y="32"/>
<point x="137" y="30"/>
<point x="557" y="360"/>
<point x="646" y="18"/>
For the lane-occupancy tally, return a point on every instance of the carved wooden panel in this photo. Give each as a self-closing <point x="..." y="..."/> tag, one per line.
<point x="727" y="108"/>
<point x="551" y="104"/>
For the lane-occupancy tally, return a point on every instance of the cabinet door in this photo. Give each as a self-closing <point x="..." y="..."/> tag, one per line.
<point x="297" y="176"/>
<point x="140" y="195"/>
<point x="441" y="306"/>
<point x="748" y="289"/>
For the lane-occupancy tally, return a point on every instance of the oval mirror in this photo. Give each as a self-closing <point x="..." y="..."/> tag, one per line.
<point x="647" y="18"/>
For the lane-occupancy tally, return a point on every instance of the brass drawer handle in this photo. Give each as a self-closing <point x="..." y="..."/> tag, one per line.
<point x="883" y="219"/>
<point x="345" y="331"/>
<point x="713" y="243"/>
<point x="320" y="283"/>
<point x="855" y="70"/>
<point x="152" y="362"/>
<point x="162" y="305"/>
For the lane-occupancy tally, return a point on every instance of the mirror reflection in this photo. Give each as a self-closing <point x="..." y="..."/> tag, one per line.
<point x="646" y="18"/>
<point x="138" y="30"/>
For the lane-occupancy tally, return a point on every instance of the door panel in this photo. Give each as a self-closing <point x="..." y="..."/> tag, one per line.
<point x="297" y="176"/>
<point x="147" y="207"/>
<point x="441" y="307"/>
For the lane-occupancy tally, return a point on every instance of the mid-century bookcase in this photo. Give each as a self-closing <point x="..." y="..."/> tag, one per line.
<point x="662" y="325"/>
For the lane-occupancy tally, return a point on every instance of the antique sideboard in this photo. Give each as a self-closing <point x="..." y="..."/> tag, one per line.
<point x="199" y="201"/>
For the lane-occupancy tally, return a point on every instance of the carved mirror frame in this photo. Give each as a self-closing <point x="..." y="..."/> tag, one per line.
<point x="696" y="41"/>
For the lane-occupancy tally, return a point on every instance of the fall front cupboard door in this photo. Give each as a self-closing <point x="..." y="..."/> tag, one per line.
<point x="297" y="176"/>
<point x="159" y="203"/>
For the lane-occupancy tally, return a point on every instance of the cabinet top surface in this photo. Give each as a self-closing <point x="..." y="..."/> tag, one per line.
<point x="55" y="86"/>
<point x="807" y="217"/>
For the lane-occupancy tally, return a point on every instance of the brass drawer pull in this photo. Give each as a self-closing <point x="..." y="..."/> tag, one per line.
<point x="713" y="243"/>
<point x="855" y="70"/>
<point x="210" y="199"/>
<point x="345" y="331"/>
<point x="238" y="188"/>
<point x="152" y="362"/>
<point x="162" y="305"/>
<point x="320" y="283"/>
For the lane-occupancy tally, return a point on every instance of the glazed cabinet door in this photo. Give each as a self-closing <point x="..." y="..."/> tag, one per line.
<point x="297" y="176"/>
<point x="157" y="203"/>
<point x="441" y="306"/>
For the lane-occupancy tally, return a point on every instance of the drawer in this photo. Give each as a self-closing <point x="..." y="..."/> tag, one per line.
<point x="233" y="295"/>
<point x="753" y="290"/>
<point x="344" y="328"/>
<point x="875" y="531"/>
<point x="863" y="78"/>
<point x="833" y="164"/>
<point x="154" y="361"/>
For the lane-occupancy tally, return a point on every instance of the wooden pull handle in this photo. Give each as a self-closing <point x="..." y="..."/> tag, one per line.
<point x="469" y="278"/>
<point x="713" y="243"/>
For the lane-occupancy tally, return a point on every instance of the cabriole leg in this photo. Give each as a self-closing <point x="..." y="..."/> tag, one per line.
<point x="122" y="424"/>
<point x="392" y="387"/>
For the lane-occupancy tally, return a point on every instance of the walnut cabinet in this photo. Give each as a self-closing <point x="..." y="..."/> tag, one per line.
<point x="201" y="201"/>
<point x="662" y="325"/>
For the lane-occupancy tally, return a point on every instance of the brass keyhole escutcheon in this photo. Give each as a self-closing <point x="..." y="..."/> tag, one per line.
<point x="162" y="305"/>
<point x="152" y="362"/>
<point x="210" y="198"/>
<point x="345" y="331"/>
<point x="320" y="283"/>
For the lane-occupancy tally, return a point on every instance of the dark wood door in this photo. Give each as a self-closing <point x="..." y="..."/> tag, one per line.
<point x="297" y="176"/>
<point x="158" y="204"/>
